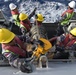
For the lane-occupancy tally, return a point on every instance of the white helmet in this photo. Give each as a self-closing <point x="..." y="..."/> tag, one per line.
<point x="72" y="4"/>
<point x="12" y="6"/>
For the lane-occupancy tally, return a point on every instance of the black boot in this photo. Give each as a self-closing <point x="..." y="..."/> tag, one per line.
<point x="26" y="68"/>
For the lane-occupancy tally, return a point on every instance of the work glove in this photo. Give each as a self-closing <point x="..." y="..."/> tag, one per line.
<point x="60" y="49"/>
<point x="34" y="47"/>
<point x="23" y="31"/>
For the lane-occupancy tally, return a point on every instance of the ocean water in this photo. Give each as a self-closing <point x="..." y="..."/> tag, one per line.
<point x="50" y="9"/>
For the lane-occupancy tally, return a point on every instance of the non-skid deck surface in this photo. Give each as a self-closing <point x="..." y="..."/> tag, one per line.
<point x="61" y="68"/>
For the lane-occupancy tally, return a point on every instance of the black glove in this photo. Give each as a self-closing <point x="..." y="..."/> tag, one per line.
<point x="41" y="43"/>
<point x="23" y="31"/>
<point x="26" y="67"/>
<point x="60" y="49"/>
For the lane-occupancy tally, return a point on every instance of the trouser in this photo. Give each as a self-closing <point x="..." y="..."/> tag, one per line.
<point x="18" y="62"/>
<point x="61" y="55"/>
<point x="14" y="60"/>
<point x="60" y="30"/>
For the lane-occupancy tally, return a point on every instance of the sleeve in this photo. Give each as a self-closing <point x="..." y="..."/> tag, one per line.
<point x="73" y="47"/>
<point x="5" y="51"/>
<point x="21" y="26"/>
<point x="63" y="17"/>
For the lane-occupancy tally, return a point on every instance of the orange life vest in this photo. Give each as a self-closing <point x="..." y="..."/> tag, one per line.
<point x="26" y="25"/>
<point x="67" y="42"/>
<point x="19" y="50"/>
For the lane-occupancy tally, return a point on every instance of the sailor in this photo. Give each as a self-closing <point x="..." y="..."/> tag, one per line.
<point x="15" y="13"/>
<point x="38" y="19"/>
<point x="65" y="43"/>
<point x="65" y="17"/>
<point x="25" y="24"/>
<point x="20" y="18"/>
<point x="14" y="49"/>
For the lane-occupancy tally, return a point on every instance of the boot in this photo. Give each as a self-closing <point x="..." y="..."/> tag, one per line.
<point x="26" y="68"/>
<point x="43" y="62"/>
